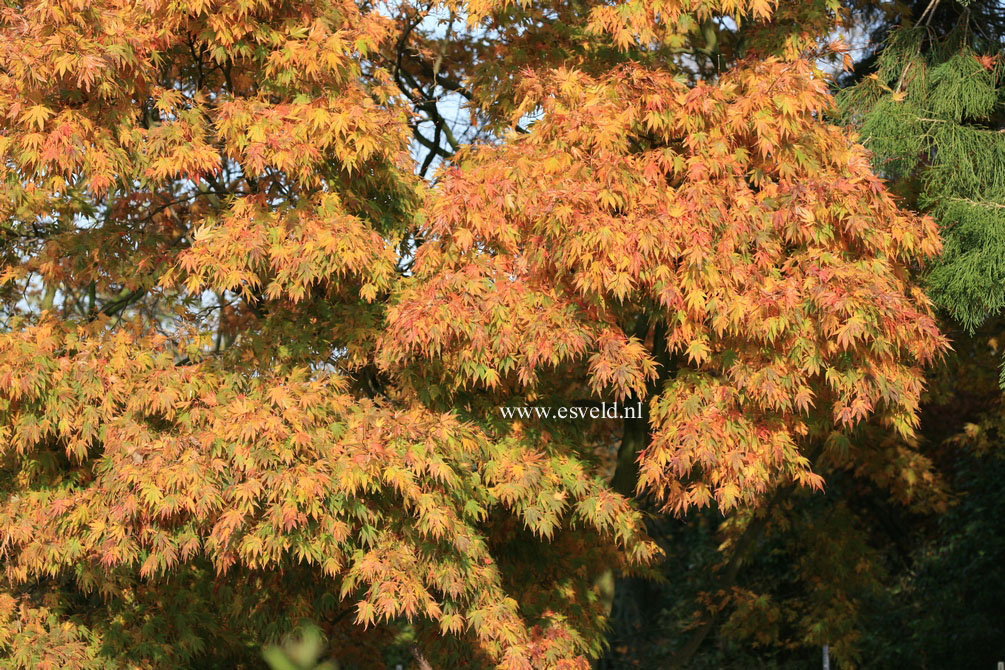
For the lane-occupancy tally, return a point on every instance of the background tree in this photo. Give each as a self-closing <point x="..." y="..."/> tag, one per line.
<point x="931" y="113"/>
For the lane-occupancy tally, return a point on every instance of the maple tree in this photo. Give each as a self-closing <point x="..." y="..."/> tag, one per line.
<point x="878" y="567"/>
<point x="250" y="359"/>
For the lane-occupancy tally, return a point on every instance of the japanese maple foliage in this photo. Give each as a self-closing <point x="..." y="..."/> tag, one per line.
<point x="230" y="401"/>
<point x="727" y="215"/>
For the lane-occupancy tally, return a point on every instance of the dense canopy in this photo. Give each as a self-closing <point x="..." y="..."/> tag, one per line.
<point x="271" y="269"/>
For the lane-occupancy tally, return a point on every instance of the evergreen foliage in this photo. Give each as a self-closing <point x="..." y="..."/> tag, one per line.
<point x="931" y="114"/>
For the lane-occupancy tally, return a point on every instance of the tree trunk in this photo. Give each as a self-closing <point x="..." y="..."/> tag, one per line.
<point x="630" y="598"/>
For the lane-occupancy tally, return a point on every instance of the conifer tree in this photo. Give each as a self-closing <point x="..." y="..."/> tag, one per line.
<point x="932" y="115"/>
